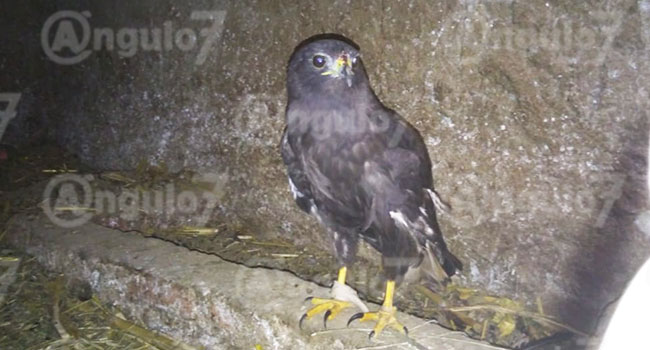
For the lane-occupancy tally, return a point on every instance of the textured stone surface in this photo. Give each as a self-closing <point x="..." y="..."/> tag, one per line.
<point x="201" y="299"/>
<point x="535" y="114"/>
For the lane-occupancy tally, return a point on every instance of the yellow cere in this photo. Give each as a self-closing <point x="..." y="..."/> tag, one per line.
<point x="340" y="62"/>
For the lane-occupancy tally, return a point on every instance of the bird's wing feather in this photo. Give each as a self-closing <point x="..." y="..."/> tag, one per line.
<point x="400" y="183"/>
<point x="298" y="181"/>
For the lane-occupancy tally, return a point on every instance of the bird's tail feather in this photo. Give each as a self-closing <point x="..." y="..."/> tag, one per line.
<point x="451" y="263"/>
<point x="440" y="263"/>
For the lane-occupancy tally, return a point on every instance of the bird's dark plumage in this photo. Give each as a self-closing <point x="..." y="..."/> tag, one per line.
<point x="356" y="165"/>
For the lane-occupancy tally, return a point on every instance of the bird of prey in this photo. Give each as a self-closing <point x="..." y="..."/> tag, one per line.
<point x="362" y="171"/>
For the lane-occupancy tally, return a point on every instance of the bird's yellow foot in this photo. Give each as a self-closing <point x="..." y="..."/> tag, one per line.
<point x="385" y="317"/>
<point x="331" y="307"/>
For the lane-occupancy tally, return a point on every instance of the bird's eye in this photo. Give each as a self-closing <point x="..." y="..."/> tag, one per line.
<point x="319" y="61"/>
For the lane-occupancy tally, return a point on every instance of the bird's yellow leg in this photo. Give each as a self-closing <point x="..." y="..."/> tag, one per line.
<point x="331" y="307"/>
<point x="343" y="273"/>
<point x="385" y="316"/>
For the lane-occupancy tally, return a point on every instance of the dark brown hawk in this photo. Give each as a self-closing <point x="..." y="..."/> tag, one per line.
<point x="361" y="170"/>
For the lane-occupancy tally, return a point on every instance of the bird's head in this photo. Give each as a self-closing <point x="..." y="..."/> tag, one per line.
<point x="325" y="65"/>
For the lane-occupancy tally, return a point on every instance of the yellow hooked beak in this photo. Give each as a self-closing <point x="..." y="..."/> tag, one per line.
<point x="341" y="67"/>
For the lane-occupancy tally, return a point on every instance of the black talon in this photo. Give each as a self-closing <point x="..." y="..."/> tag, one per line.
<point x="327" y="314"/>
<point x="372" y="334"/>
<point x="302" y="318"/>
<point x="309" y="298"/>
<point x="406" y="331"/>
<point x="355" y="317"/>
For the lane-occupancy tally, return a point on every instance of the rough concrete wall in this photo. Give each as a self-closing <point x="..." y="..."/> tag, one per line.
<point x="22" y="71"/>
<point x="535" y="114"/>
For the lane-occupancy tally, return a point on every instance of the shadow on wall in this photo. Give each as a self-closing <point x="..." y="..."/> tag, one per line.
<point x="609" y="264"/>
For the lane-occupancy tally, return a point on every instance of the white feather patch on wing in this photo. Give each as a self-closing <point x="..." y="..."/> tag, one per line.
<point x="420" y="225"/>
<point x="399" y="218"/>
<point x="427" y="229"/>
<point x="294" y="190"/>
<point x="314" y="211"/>
<point x="438" y="203"/>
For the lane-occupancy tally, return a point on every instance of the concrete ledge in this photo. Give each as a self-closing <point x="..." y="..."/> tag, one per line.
<point x="202" y="299"/>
